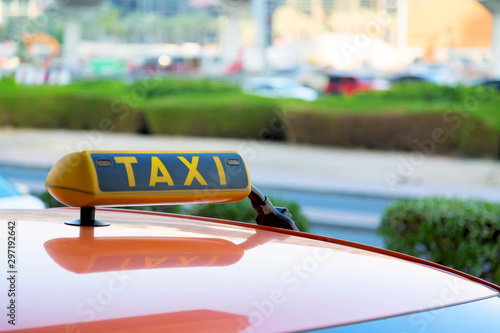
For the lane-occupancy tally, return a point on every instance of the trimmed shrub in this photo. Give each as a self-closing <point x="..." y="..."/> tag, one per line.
<point x="425" y="117"/>
<point x="166" y="87"/>
<point x="462" y="234"/>
<point x="422" y="95"/>
<point x="423" y="91"/>
<point x="428" y="132"/>
<point x="68" y="110"/>
<point x="230" y="116"/>
<point x="402" y="117"/>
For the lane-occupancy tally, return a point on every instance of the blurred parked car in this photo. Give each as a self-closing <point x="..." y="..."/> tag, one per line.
<point x="494" y="84"/>
<point x="17" y="198"/>
<point x="348" y="85"/>
<point x="162" y="64"/>
<point x="279" y="87"/>
<point x="432" y="73"/>
<point x="406" y="78"/>
<point x="351" y="84"/>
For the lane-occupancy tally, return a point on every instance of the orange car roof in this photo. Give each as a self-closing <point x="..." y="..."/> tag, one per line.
<point x="149" y="266"/>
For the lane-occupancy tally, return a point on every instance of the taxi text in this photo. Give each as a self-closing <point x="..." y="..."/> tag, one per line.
<point x="160" y="174"/>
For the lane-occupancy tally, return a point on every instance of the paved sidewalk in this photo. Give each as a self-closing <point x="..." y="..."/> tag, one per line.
<point x="281" y="165"/>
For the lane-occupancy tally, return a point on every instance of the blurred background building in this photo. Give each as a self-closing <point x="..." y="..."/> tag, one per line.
<point x="162" y="7"/>
<point x="219" y="37"/>
<point x="18" y="8"/>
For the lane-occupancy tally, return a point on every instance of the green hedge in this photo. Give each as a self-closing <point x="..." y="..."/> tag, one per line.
<point x="158" y="106"/>
<point x="239" y="211"/>
<point x="70" y="112"/>
<point x="232" y="116"/>
<point x="462" y="234"/>
<point x="423" y="92"/>
<point x="81" y="106"/>
<point x="427" y="132"/>
<point x="446" y="120"/>
<point x="402" y="118"/>
<point x="160" y="88"/>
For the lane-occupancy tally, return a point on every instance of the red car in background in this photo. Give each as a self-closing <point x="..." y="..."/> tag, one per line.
<point x="351" y="84"/>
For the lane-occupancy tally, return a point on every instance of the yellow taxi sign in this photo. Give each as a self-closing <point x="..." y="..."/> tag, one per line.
<point x="117" y="178"/>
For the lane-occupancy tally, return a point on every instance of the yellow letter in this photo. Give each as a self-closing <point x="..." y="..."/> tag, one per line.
<point x="193" y="173"/>
<point x="151" y="262"/>
<point x="185" y="261"/>
<point x="125" y="263"/>
<point x="211" y="262"/>
<point x="156" y="166"/>
<point x="128" y="160"/>
<point x="222" y="175"/>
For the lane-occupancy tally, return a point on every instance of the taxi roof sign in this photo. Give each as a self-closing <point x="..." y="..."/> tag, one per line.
<point x="122" y="178"/>
<point x="125" y="178"/>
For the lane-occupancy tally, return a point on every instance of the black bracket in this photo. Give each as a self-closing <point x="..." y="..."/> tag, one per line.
<point x="87" y="219"/>
<point x="269" y="215"/>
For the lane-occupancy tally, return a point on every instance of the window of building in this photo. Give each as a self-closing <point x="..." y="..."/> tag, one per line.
<point x="392" y="6"/>
<point x="369" y="4"/>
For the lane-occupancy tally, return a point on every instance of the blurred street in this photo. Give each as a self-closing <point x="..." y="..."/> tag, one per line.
<point x="343" y="192"/>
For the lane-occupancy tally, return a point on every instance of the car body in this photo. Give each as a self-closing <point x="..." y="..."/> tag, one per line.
<point x="157" y="272"/>
<point x="349" y="84"/>
<point x="409" y="78"/>
<point x="491" y="84"/>
<point x="279" y="87"/>
<point x="156" y="65"/>
<point x="346" y="85"/>
<point x="12" y="198"/>
<point x="148" y="271"/>
<point x="430" y="73"/>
